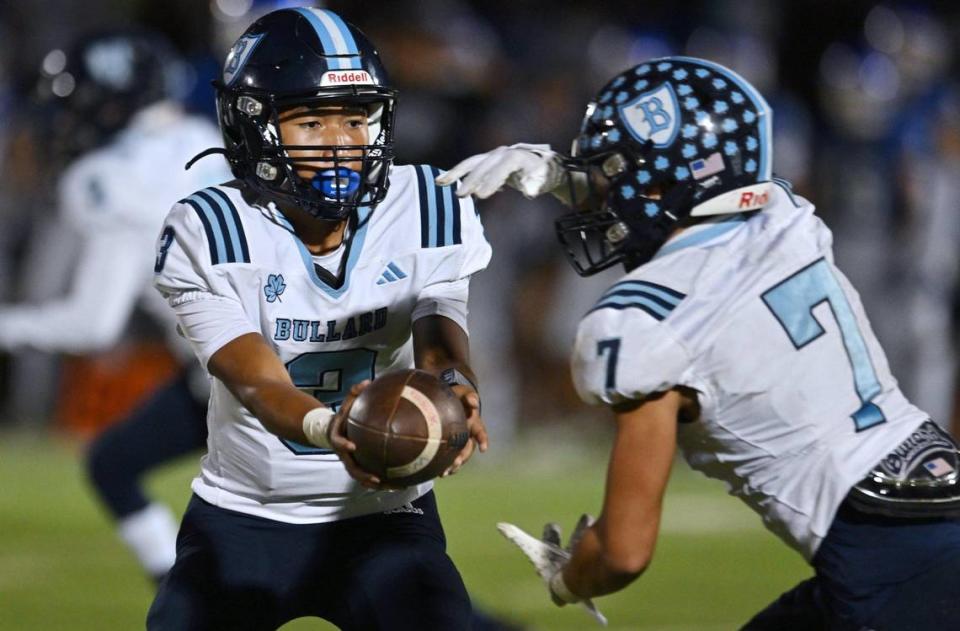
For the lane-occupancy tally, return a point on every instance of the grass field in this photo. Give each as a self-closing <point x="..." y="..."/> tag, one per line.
<point x="61" y="567"/>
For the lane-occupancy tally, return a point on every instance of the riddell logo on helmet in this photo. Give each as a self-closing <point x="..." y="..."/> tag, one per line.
<point x="751" y="199"/>
<point x="345" y="77"/>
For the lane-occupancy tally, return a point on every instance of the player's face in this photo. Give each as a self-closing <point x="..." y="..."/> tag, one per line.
<point x="589" y="187"/>
<point x="591" y="183"/>
<point x="330" y="126"/>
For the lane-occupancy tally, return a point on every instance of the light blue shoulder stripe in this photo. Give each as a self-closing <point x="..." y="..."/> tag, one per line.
<point x="627" y="301"/>
<point x="214" y="222"/>
<point x="448" y="215"/>
<point x="640" y="286"/>
<point x="431" y="205"/>
<point x="231" y="221"/>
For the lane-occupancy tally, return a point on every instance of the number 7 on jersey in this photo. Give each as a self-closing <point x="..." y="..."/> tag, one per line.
<point x="792" y="302"/>
<point x="611" y="348"/>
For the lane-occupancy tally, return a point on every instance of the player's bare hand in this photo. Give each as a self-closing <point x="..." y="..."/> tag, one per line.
<point x="343" y="446"/>
<point x="475" y="425"/>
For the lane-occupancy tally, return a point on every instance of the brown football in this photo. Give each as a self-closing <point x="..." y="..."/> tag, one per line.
<point x="408" y="427"/>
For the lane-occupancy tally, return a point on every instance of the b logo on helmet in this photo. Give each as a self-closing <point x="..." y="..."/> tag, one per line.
<point x="653" y="115"/>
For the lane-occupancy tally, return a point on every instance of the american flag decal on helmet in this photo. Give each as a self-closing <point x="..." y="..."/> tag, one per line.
<point x="705" y="168"/>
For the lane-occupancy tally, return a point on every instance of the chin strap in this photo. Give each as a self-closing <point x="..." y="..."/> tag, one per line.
<point x="203" y="154"/>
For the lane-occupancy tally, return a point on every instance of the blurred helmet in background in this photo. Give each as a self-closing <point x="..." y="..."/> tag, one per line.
<point x="860" y="89"/>
<point x="92" y="89"/>
<point x="664" y="145"/>
<point x="915" y="40"/>
<point x="306" y="57"/>
<point x="231" y="18"/>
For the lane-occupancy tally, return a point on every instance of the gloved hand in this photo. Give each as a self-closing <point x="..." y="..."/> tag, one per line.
<point x="549" y="559"/>
<point x="531" y="169"/>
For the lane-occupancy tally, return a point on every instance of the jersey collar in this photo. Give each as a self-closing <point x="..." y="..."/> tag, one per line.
<point x="359" y="235"/>
<point x="701" y="233"/>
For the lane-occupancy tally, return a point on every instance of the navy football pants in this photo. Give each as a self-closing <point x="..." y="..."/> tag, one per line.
<point x="875" y="573"/>
<point x="382" y="571"/>
<point x="172" y="423"/>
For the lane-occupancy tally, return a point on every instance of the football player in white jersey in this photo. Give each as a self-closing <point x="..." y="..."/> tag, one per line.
<point x="319" y="267"/>
<point x="734" y="336"/>
<point x="125" y="143"/>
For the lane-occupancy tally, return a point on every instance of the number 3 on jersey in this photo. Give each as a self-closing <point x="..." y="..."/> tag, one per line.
<point x="166" y="240"/>
<point x="327" y="377"/>
<point x="792" y="302"/>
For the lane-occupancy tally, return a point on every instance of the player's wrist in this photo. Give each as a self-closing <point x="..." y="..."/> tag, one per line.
<point x="453" y="377"/>
<point x="316" y="427"/>
<point x="560" y="590"/>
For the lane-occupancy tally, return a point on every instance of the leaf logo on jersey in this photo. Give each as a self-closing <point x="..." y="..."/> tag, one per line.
<point x="274" y="287"/>
<point x="653" y="115"/>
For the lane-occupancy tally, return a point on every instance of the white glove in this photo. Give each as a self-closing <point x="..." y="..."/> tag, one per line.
<point x="549" y="559"/>
<point x="531" y="169"/>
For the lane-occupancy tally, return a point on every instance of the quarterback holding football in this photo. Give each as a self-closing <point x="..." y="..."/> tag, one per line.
<point x="321" y="266"/>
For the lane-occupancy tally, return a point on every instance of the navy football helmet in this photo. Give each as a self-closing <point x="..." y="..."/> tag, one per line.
<point x="305" y="56"/>
<point x="664" y="145"/>
<point x="96" y="86"/>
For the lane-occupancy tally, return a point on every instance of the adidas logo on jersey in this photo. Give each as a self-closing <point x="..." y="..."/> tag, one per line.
<point x="406" y="508"/>
<point x="391" y="274"/>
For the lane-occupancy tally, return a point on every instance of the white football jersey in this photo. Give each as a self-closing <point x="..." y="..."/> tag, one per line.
<point x="116" y="198"/>
<point x="219" y="254"/>
<point x="797" y="401"/>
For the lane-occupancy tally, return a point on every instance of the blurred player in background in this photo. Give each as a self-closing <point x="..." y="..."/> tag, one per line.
<point x="320" y="266"/>
<point x="734" y="335"/>
<point x="888" y="97"/>
<point x="124" y="142"/>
